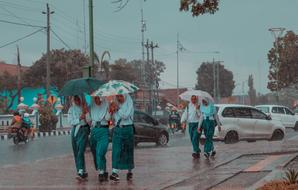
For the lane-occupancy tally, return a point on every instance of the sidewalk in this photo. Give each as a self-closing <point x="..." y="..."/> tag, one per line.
<point x="156" y="168"/>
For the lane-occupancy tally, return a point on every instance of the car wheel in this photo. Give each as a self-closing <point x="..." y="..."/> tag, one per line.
<point x="162" y="139"/>
<point x="296" y="126"/>
<point x="277" y="135"/>
<point x="231" y="137"/>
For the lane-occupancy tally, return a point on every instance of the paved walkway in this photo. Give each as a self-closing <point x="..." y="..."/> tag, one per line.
<point x="156" y="168"/>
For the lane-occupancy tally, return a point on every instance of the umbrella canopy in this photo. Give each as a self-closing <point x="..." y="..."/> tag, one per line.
<point x="80" y="86"/>
<point x="115" y="87"/>
<point x="199" y="93"/>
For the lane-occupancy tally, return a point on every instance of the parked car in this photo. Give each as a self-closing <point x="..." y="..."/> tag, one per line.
<point x="282" y="113"/>
<point x="241" y="122"/>
<point x="148" y="129"/>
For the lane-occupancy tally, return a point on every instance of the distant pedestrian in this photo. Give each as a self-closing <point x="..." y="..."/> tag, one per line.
<point x="79" y="135"/>
<point x="123" y="138"/>
<point x="99" y="136"/>
<point x="208" y="121"/>
<point x="174" y="120"/>
<point x="191" y="116"/>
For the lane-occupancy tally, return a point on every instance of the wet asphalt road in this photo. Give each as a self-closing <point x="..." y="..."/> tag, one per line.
<point x="54" y="146"/>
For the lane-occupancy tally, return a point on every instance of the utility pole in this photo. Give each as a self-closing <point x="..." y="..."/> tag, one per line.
<point x="147" y="46"/>
<point x="277" y="33"/>
<point x="214" y="81"/>
<point x="19" y="75"/>
<point x="216" y="68"/>
<point x="153" y="78"/>
<point x="243" y="92"/>
<point x="91" y="40"/>
<point x="179" y="48"/>
<point x="217" y="81"/>
<point x="84" y="15"/>
<point x="48" y="67"/>
<point x="143" y="29"/>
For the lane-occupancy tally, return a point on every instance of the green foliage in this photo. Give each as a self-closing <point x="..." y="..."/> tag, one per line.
<point x="251" y="90"/>
<point x="205" y="79"/>
<point x="8" y="86"/>
<point x="121" y="70"/>
<point x="65" y="65"/>
<point x="291" y="176"/>
<point x="283" y="62"/>
<point x="199" y="8"/>
<point x="132" y="71"/>
<point x="47" y="119"/>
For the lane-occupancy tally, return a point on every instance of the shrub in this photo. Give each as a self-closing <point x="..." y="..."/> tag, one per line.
<point x="47" y="119"/>
<point x="291" y="176"/>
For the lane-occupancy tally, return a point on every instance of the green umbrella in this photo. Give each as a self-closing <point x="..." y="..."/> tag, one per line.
<point x="80" y="86"/>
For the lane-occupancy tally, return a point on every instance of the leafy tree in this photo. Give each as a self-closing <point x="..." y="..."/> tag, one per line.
<point x="65" y="65"/>
<point x="199" y="7"/>
<point x="205" y="79"/>
<point x="121" y="70"/>
<point x="283" y="62"/>
<point x="132" y="71"/>
<point x="252" y="91"/>
<point x="8" y="86"/>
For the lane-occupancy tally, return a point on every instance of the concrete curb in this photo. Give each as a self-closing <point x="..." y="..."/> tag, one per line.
<point x="277" y="173"/>
<point x="234" y="157"/>
<point x="42" y="134"/>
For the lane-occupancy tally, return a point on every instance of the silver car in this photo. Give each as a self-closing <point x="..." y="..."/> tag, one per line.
<point x="241" y="122"/>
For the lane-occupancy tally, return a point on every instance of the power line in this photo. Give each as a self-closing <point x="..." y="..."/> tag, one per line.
<point x="22" y="38"/>
<point x="11" y="13"/>
<point x="18" y="6"/>
<point x="21" y="24"/>
<point x="55" y="34"/>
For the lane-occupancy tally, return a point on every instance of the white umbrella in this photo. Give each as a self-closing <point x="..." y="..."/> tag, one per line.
<point x="199" y="93"/>
<point x="115" y="87"/>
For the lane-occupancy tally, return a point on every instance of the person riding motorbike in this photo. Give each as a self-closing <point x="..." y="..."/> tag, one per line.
<point x="27" y="124"/>
<point x="174" y="120"/>
<point x="15" y="125"/>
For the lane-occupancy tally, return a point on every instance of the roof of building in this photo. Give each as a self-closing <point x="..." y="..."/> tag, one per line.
<point x="10" y="68"/>
<point x="171" y="94"/>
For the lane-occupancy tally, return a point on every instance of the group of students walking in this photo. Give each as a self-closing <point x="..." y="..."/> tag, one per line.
<point x="201" y="118"/>
<point x="95" y="120"/>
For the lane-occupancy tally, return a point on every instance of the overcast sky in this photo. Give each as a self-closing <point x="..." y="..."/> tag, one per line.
<point x="239" y="31"/>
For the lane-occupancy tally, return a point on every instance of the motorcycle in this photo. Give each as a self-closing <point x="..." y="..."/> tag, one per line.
<point x="19" y="135"/>
<point x="176" y="126"/>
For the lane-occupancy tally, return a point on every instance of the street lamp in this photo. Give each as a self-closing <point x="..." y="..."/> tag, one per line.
<point x="59" y="108"/>
<point x="22" y="107"/>
<point x="35" y="107"/>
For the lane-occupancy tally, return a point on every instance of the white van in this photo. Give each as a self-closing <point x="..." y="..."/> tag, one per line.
<point x="282" y="113"/>
<point x="240" y="122"/>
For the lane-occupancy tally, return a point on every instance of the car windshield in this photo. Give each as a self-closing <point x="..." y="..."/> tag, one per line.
<point x="263" y="109"/>
<point x="278" y="110"/>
